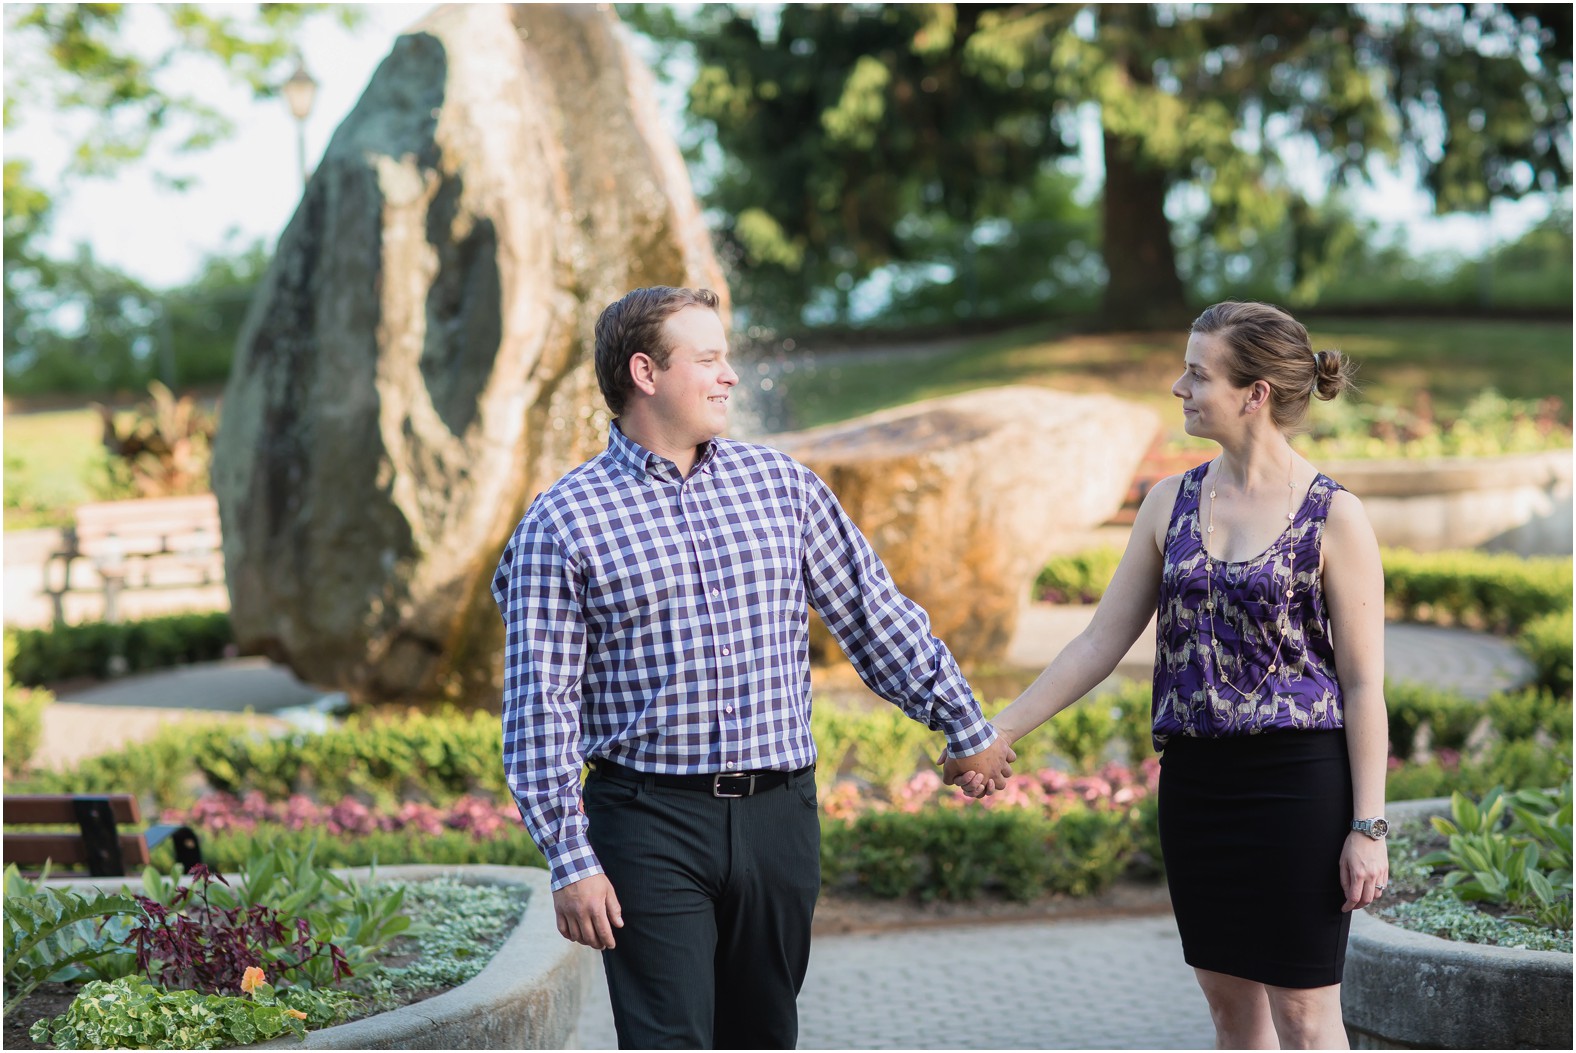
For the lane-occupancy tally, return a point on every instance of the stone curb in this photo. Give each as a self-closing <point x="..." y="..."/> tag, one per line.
<point x="1405" y="989"/>
<point x="528" y="996"/>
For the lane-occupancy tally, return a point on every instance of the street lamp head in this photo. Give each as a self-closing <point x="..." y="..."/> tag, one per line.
<point x="299" y="91"/>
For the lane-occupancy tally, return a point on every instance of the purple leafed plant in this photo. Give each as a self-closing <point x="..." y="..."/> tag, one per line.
<point x="194" y="945"/>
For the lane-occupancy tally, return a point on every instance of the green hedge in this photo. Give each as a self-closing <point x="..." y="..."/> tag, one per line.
<point x="101" y="649"/>
<point x="1523" y="764"/>
<point x="1547" y="642"/>
<point x="384" y="758"/>
<point x="1496" y="591"/>
<point x="225" y="851"/>
<point x="959" y="854"/>
<point x="953" y="854"/>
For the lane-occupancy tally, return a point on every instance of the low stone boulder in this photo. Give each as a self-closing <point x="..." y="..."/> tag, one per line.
<point x="963" y="496"/>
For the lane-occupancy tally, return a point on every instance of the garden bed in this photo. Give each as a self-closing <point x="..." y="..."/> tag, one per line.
<point x="527" y="996"/>
<point x="1405" y="989"/>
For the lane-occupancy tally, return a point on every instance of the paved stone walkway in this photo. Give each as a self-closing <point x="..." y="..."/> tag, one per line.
<point x="1112" y="984"/>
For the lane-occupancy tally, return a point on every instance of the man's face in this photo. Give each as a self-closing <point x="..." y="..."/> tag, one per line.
<point x="692" y="393"/>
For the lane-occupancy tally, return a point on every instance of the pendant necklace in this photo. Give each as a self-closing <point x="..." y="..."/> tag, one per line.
<point x="1291" y="577"/>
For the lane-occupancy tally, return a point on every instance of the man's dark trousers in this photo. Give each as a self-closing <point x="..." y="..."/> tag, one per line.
<point x="717" y="897"/>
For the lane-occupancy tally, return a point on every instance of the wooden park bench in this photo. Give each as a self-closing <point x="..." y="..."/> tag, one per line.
<point x="98" y="843"/>
<point x="153" y="543"/>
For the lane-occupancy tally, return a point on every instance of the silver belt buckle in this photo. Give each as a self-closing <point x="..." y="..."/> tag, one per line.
<point x="716" y="785"/>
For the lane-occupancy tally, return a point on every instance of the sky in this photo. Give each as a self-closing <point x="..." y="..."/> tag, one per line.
<point x="248" y="187"/>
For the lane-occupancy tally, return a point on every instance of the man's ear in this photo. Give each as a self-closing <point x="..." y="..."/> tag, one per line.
<point x="644" y="372"/>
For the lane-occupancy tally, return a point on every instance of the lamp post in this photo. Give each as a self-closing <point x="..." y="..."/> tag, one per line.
<point x="299" y="92"/>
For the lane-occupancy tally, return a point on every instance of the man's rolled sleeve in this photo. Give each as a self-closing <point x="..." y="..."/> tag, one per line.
<point x="885" y="634"/>
<point x="540" y="596"/>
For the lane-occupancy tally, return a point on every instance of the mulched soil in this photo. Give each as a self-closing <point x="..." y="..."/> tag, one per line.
<point x="840" y="912"/>
<point x="46" y="1003"/>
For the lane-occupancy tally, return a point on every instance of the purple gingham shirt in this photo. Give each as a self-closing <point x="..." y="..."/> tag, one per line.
<point x="662" y="623"/>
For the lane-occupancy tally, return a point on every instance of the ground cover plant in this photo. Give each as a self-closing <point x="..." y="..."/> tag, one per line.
<point x="1496" y="870"/>
<point x="209" y="961"/>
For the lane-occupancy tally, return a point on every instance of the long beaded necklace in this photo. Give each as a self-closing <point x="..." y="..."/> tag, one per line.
<point x="1281" y="622"/>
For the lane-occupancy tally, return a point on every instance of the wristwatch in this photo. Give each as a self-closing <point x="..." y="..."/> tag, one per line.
<point x="1375" y="828"/>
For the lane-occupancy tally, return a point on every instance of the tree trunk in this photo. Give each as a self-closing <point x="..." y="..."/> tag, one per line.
<point x="1143" y="289"/>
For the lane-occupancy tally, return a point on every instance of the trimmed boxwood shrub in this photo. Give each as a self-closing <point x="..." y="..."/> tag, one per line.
<point x="1547" y="642"/>
<point x="1496" y="591"/>
<point x="103" y="649"/>
<point x="960" y="854"/>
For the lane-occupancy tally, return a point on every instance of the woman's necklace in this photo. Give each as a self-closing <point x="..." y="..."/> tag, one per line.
<point x="1281" y="622"/>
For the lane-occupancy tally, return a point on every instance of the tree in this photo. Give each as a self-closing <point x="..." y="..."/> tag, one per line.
<point x="1222" y="104"/>
<point x="850" y="133"/>
<point x="73" y="61"/>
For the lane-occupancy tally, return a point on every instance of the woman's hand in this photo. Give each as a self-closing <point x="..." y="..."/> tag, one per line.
<point x="1365" y="870"/>
<point x="972" y="782"/>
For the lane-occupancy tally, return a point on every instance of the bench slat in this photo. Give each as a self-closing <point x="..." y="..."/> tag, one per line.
<point x="55" y="808"/>
<point x="68" y="849"/>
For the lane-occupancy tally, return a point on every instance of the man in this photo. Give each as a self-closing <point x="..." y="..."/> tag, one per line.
<point x="656" y="605"/>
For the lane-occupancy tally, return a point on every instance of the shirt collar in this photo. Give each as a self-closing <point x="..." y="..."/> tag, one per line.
<point x="642" y="463"/>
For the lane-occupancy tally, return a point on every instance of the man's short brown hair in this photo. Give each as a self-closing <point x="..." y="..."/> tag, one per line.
<point x="633" y="325"/>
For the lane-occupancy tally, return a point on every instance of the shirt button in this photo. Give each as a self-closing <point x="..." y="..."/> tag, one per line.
<point x="714" y="592"/>
<point x="726" y="651"/>
<point x="729" y="709"/>
<point x="730" y="764"/>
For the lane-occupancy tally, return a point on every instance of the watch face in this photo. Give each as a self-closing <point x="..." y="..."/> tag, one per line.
<point x="1379" y="829"/>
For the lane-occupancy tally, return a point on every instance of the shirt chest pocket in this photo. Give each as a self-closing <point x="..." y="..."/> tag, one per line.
<point x="772" y="542"/>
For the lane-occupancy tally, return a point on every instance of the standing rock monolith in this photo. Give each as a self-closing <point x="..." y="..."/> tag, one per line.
<point x="416" y="364"/>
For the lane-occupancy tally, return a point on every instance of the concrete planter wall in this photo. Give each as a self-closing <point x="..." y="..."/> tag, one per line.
<point x="1408" y="990"/>
<point x="528" y="996"/>
<point x="1518" y="502"/>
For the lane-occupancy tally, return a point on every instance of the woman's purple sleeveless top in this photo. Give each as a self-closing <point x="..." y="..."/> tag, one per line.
<point x="1210" y="667"/>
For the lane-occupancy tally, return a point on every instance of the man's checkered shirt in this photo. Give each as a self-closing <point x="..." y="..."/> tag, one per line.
<point x="662" y="623"/>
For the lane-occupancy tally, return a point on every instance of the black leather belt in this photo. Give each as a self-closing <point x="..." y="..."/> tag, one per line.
<point x="722" y="784"/>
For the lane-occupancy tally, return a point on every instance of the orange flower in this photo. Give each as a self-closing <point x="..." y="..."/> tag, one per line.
<point x="295" y="1013"/>
<point x="252" y="979"/>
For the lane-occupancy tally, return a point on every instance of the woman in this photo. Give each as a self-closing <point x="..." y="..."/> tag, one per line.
<point x="1268" y="689"/>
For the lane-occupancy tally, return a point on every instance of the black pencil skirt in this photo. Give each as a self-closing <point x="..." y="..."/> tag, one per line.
<point x="1252" y="829"/>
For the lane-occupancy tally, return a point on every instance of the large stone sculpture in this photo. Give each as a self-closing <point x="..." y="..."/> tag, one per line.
<point x="963" y="497"/>
<point x="415" y="367"/>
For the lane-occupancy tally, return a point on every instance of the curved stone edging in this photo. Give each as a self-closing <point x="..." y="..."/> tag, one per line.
<point x="1405" y="989"/>
<point x="1514" y="502"/>
<point x="527" y="997"/>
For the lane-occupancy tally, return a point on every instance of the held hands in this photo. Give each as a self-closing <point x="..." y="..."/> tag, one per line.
<point x="980" y="774"/>
<point x="1365" y="870"/>
<point x="588" y="912"/>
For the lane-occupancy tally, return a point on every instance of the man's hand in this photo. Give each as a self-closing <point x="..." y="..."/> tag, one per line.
<point x="588" y="912"/>
<point x="982" y="773"/>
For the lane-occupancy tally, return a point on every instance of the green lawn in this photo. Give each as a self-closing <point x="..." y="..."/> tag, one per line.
<point x="52" y="458"/>
<point x="1450" y="359"/>
<point x="51" y="461"/>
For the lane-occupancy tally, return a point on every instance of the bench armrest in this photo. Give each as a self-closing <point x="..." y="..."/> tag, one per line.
<point x="188" y="851"/>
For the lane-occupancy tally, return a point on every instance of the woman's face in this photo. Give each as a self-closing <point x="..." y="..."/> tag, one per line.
<point x="1212" y="406"/>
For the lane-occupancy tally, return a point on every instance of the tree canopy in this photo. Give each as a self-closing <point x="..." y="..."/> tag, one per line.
<point x="845" y="127"/>
<point x="73" y="64"/>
